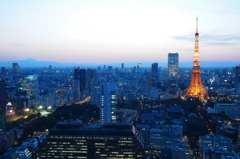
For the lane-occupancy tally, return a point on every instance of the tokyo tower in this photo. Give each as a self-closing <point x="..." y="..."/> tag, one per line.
<point x="196" y="88"/>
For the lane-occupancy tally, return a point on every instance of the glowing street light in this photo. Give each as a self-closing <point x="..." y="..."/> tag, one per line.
<point x="27" y="109"/>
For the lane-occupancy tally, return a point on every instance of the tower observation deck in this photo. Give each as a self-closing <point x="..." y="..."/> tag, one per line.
<point x="196" y="88"/>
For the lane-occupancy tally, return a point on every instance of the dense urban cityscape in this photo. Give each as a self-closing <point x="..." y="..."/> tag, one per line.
<point x="109" y="111"/>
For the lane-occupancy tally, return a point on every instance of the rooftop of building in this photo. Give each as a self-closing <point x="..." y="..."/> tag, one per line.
<point x="175" y="109"/>
<point x="111" y="129"/>
<point x="213" y="137"/>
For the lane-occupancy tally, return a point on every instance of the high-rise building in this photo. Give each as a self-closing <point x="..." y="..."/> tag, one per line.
<point x="154" y="69"/>
<point x="15" y="68"/>
<point x="139" y="65"/>
<point x="173" y="64"/>
<point x="80" y="84"/>
<point x="109" y="68"/>
<point x="196" y="88"/>
<point x="95" y="85"/>
<point x="122" y="66"/>
<point x="108" y="102"/>
<point x="81" y="75"/>
<point x="4" y="71"/>
<point x="237" y="74"/>
<point x="71" y="140"/>
<point x="149" y="83"/>
<point x="3" y="103"/>
<point x="76" y="91"/>
<point x="30" y="84"/>
<point x="3" y="141"/>
<point x="50" y="68"/>
<point x="91" y="73"/>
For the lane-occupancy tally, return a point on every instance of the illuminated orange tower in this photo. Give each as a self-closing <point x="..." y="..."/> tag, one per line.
<point x="196" y="88"/>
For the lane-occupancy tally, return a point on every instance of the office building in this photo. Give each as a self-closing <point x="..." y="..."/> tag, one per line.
<point x="108" y="102"/>
<point x="212" y="140"/>
<point x="237" y="74"/>
<point x="95" y="85"/>
<point x="30" y="85"/>
<point x="149" y="83"/>
<point x="178" y="150"/>
<point x="76" y="91"/>
<point x="81" y="75"/>
<point x="23" y="152"/>
<point x="229" y="108"/>
<point x="159" y="138"/>
<point x="122" y="66"/>
<point x="139" y="66"/>
<point x="91" y="73"/>
<point x="71" y="140"/>
<point x="80" y="84"/>
<point x="173" y="64"/>
<point x="3" y="103"/>
<point x="3" y="141"/>
<point x="15" y="68"/>
<point x="4" y="71"/>
<point x="110" y="68"/>
<point x="155" y="69"/>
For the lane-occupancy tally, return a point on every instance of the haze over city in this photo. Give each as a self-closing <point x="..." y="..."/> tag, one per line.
<point x="104" y="31"/>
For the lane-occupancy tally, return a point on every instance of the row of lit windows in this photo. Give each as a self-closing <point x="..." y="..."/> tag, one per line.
<point x="100" y="143"/>
<point x="126" y="141"/>
<point x="54" y="143"/>
<point x="63" y="156"/>
<point x="78" y="137"/>
<point x="68" y="151"/>
<point x="125" y="138"/>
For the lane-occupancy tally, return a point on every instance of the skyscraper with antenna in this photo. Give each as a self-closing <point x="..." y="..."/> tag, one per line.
<point x="196" y="88"/>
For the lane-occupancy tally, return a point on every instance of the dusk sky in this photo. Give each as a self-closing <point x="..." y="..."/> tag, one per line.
<point x="109" y="31"/>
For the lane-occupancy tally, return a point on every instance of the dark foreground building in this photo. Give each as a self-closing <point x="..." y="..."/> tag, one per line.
<point x="71" y="140"/>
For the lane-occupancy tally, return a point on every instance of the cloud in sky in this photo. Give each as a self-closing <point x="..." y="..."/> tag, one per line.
<point x="107" y="31"/>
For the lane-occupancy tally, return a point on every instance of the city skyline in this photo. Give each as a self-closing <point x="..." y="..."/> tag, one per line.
<point x="117" y="31"/>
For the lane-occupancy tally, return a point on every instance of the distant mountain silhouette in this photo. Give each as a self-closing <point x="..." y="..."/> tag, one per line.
<point x="30" y="62"/>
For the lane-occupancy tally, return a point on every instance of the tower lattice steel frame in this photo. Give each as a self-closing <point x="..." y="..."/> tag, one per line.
<point x="196" y="88"/>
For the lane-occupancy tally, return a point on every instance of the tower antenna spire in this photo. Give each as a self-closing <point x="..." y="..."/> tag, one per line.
<point x="197" y="25"/>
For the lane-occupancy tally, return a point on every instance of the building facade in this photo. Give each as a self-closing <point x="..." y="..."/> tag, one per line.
<point x="15" y="68"/>
<point x="211" y="140"/>
<point x="229" y="108"/>
<point x="93" y="141"/>
<point x="237" y="74"/>
<point x="173" y="64"/>
<point x="166" y="136"/>
<point x="108" y="103"/>
<point x="154" y="69"/>
<point x="3" y="103"/>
